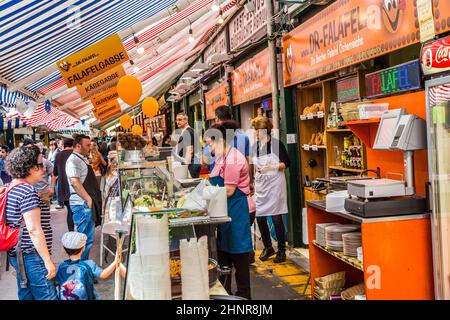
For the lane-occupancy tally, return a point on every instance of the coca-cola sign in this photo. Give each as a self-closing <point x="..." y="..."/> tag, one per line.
<point x="435" y="56"/>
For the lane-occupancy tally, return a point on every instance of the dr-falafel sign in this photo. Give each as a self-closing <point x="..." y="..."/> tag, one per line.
<point x="92" y="61"/>
<point x="346" y="33"/>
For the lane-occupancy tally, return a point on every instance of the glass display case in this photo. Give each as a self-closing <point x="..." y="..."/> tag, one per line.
<point x="438" y="120"/>
<point x="150" y="204"/>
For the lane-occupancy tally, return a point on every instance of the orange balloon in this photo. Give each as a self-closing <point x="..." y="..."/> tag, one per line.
<point x="129" y="89"/>
<point x="150" y="107"/>
<point x="126" y="121"/>
<point x="137" y="129"/>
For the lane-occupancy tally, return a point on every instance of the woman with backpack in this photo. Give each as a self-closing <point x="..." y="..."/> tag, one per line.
<point x="31" y="256"/>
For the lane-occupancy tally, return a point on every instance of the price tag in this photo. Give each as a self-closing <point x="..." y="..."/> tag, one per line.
<point x="291" y="138"/>
<point x="320" y="114"/>
<point x="314" y="147"/>
<point x="302" y="117"/>
<point x="306" y="147"/>
<point x="310" y="116"/>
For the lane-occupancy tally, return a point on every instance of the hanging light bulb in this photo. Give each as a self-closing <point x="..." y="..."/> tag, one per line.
<point x="140" y="49"/>
<point x="215" y="7"/>
<point x="135" y="68"/>
<point x="220" y="20"/>
<point x="191" y="36"/>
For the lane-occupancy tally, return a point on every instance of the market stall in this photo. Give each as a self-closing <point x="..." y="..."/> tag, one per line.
<point x="362" y="130"/>
<point x="170" y="226"/>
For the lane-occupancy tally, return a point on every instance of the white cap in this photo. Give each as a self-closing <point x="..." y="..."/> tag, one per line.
<point x="73" y="240"/>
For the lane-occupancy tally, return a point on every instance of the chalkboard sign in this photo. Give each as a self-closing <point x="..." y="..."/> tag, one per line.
<point x="348" y="89"/>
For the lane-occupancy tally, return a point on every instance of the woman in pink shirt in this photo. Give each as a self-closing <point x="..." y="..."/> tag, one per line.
<point x="233" y="239"/>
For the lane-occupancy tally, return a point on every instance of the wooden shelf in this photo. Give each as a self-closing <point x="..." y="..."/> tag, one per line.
<point x="324" y="192"/>
<point x="346" y="169"/>
<point x="338" y="130"/>
<point x="340" y="255"/>
<point x="320" y="147"/>
<point x="349" y="123"/>
<point x="314" y="117"/>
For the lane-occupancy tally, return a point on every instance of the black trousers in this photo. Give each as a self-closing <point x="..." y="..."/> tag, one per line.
<point x="242" y="273"/>
<point x="279" y="231"/>
<point x="70" y="225"/>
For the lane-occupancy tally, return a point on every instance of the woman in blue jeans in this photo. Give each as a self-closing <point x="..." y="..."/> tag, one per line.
<point x="34" y="267"/>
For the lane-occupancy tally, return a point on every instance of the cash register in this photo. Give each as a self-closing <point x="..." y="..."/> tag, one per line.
<point x="388" y="197"/>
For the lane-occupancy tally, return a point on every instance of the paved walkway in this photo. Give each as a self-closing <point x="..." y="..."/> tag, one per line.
<point x="285" y="281"/>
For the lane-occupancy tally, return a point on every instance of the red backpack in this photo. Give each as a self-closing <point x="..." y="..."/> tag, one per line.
<point x="8" y="236"/>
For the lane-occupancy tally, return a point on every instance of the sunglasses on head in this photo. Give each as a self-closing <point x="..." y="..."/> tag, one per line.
<point x="40" y="165"/>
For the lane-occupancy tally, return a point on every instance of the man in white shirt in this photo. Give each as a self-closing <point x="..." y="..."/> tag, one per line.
<point x="85" y="195"/>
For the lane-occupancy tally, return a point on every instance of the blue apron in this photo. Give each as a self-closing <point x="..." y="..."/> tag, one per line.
<point x="234" y="237"/>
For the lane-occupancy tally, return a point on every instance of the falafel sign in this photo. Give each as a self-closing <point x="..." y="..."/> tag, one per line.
<point x="92" y="61"/>
<point x="107" y="110"/>
<point x="345" y="33"/>
<point x="100" y="83"/>
<point x="251" y="79"/>
<point x="104" y="97"/>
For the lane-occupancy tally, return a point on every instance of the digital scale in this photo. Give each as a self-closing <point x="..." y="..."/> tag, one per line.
<point x="388" y="197"/>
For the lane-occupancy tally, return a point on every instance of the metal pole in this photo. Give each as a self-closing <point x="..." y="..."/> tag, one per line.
<point x="273" y="63"/>
<point x="172" y="117"/>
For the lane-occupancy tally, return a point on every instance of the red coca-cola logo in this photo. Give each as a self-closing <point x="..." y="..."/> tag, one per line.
<point x="442" y="54"/>
<point x="436" y="56"/>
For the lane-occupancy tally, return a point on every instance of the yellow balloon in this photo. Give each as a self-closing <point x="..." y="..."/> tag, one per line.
<point x="137" y="129"/>
<point x="126" y="121"/>
<point x="150" y="107"/>
<point x="129" y="89"/>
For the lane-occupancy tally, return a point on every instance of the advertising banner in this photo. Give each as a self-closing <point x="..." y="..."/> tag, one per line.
<point x="348" y="32"/>
<point x="214" y="98"/>
<point x="104" y="81"/>
<point x="104" y="97"/>
<point x="251" y="80"/>
<point x="92" y="61"/>
<point x="435" y="56"/>
<point x="107" y="110"/>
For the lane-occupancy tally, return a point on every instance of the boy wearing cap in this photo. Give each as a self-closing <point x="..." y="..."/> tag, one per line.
<point x="76" y="276"/>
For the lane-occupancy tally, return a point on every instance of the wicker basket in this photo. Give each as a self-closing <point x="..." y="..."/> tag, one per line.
<point x="332" y="284"/>
<point x="328" y="292"/>
<point x="350" y="293"/>
<point x="333" y="276"/>
<point x="334" y="280"/>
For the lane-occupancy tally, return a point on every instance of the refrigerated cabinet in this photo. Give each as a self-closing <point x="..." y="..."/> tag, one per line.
<point x="438" y="115"/>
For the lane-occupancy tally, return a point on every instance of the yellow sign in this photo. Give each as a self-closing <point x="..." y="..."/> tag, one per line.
<point x="104" y="97"/>
<point x="104" y="81"/>
<point x="92" y="61"/>
<point x="107" y="110"/>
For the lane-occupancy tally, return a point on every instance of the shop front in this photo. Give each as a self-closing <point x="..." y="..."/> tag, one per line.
<point x="215" y="97"/>
<point x="359" y="89"/>
<point x="251" y="88"/>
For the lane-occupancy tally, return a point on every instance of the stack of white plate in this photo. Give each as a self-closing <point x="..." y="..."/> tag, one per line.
<point x="320" y="232"/>
<point x="352" y="241"/>
<point x="333" y="235"/>
<point x="359" y="253"/>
